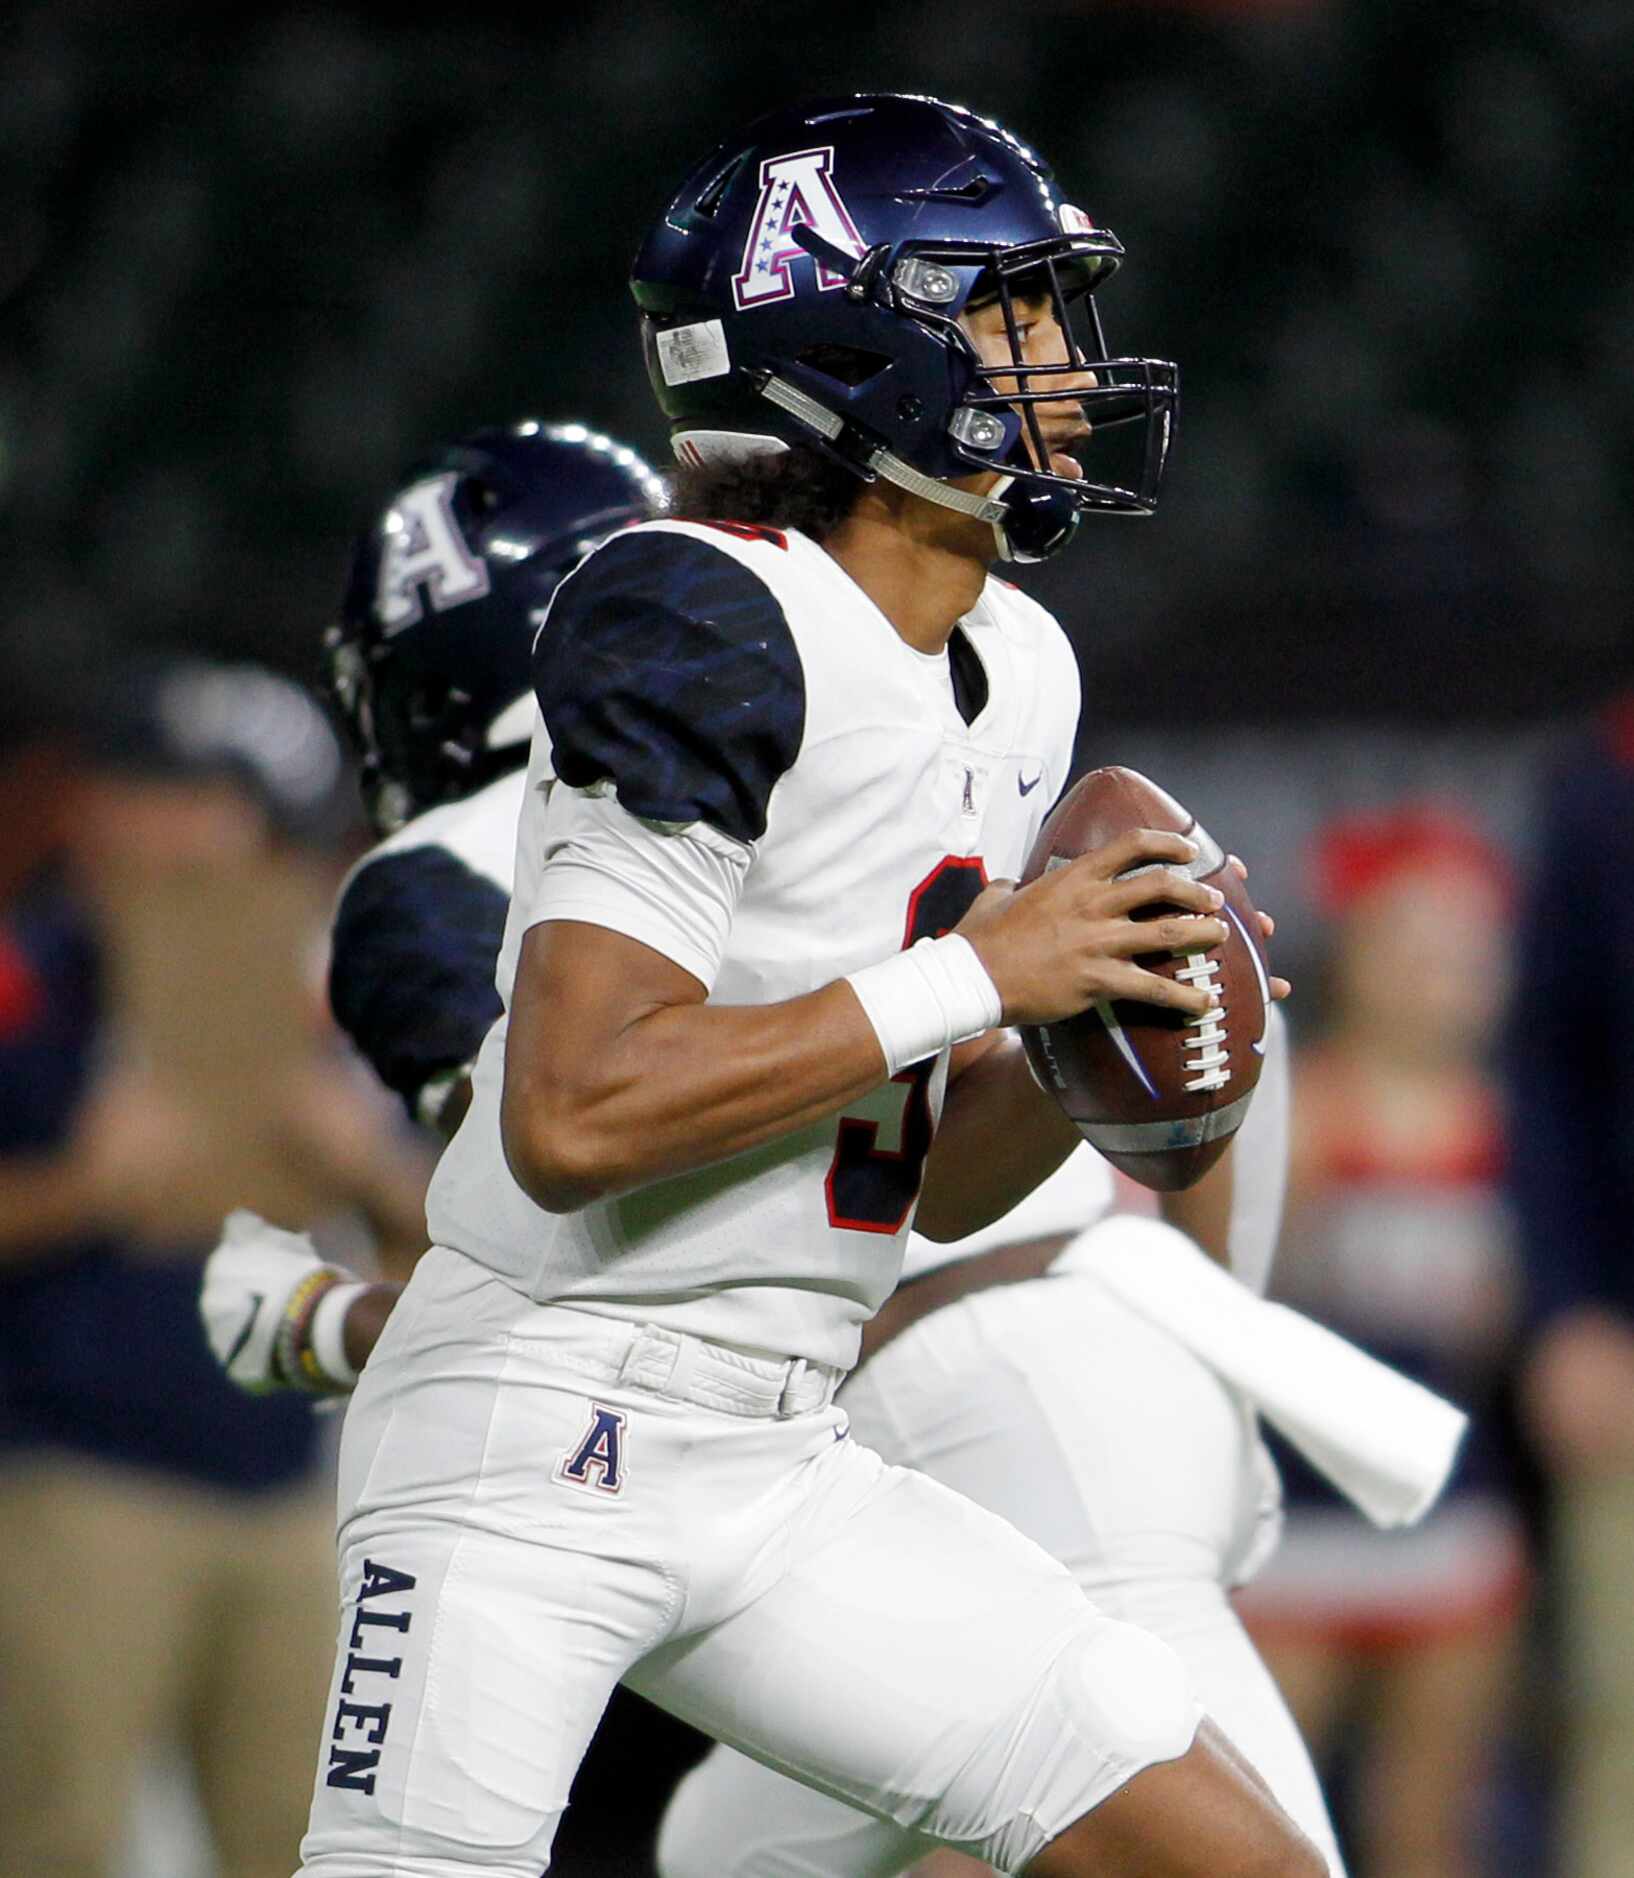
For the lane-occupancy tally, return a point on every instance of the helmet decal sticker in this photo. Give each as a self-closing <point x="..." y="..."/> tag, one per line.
<point x="1074" y="221"/>
<point x="794" y="189"/>
<point x="688" y="353"/>
<point x="426" y="545"/>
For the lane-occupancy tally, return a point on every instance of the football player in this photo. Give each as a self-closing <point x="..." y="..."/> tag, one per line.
<point x="1139" y="1469"/>
<point x="597" y="1439"/>
<point x="412" y="978"/>
<point x="429" y="671"/>
<point x="1007" y="1369"/>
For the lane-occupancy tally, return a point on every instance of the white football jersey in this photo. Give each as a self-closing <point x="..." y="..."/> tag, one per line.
<point x="479" y="830"/>
<point x="750" y="769"/>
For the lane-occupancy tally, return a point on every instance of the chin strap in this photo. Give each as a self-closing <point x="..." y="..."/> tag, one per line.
<point x="880" y="462"/>
<point x="995" y="494"/>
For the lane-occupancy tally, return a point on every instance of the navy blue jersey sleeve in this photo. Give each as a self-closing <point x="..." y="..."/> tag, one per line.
<point x="669" y="668"/>
<point x="411" y="973"/>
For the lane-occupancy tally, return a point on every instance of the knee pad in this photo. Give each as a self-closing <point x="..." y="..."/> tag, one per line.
<point x="1131" y="1694"/>
<point x="1116" y="1700"/>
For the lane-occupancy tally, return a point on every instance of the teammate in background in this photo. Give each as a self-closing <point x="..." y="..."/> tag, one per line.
<point x="429" y="670"/>
<point x="1572" y="1104"/>
<point x="165" y="1548"/>
<point x="596" y="1440"/>
<point x="1397" y="1236"/>
<point x="1016" y="1376"/>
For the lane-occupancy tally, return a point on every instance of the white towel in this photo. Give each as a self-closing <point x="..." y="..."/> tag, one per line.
<point x="1386" y="1442"/>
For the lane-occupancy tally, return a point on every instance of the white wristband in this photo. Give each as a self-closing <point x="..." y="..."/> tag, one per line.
<point x="327" y="1336"/>
<point x="936" y="993"/>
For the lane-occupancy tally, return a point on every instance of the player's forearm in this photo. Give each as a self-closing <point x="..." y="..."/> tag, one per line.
<point x="1203" y="1210"/>
<point x="1000" y="1135"/>
<point x="680" y="1088"/>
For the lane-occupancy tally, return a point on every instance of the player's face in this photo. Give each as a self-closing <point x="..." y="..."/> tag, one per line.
<point x="1042" y="342"/>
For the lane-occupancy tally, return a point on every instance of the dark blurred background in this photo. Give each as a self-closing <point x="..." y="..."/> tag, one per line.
<point x="249" y="267"/>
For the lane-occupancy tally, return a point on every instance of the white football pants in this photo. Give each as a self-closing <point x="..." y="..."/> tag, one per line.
<point x="537" y="1502"/>
<point x="1109" y="1443"/>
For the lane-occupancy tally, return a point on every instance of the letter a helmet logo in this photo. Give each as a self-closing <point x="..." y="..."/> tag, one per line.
<point x="425" y="549"/>
<point x="793" y="190"/>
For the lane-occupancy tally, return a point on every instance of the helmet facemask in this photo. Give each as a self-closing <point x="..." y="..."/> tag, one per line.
<point x="995" y="424"/>
<point x="1126" y="391"/>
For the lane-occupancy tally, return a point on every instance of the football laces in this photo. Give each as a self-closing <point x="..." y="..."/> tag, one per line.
<point x="1205" y="1051"/>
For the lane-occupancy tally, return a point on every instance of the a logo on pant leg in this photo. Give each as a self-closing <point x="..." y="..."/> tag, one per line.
<point x="598" y="1460"/>
<point x="360" y="1726"/>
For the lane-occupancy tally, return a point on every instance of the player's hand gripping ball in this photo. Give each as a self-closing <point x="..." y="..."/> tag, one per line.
<point x="1157" y="1093"/>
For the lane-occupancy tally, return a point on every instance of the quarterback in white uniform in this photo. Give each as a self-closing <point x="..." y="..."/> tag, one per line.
<point x="1089" y="1426"/>
<point x="418" y="925"/>
<point x="1072" y="1459"/>
<point x="597" y="1440"/>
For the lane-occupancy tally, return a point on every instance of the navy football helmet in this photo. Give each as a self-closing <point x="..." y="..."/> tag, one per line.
<point x="429" y="665"/>
<point x="806" y="285"/>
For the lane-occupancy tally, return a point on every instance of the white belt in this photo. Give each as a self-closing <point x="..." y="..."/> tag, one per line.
<point x="685" y="1368"/>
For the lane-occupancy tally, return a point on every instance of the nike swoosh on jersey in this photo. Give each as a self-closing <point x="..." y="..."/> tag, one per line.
<point x="1027" y="788"/>
<point x="257" y="1299"/>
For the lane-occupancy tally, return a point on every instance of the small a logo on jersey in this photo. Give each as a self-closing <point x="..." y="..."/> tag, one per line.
<point x="1025" y="787"/>
<point x="794" y="189"/>
<point x="424" y="548"/>
<point x="598" y="1460"/>
<point x="359" y="1728"/>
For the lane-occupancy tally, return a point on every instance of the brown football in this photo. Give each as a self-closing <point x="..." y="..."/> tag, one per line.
<point x="1158" y="1094"/>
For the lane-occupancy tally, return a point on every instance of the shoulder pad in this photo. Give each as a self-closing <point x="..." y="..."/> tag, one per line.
<point x="411" y="972"/>
<point x="668" y="667"/>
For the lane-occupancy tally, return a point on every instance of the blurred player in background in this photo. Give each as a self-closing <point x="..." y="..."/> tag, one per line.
<point x="429" y="670"/>
<point x="707" y="1533"/>
<point x="1016" y="1376"/>
<point x="1397" y="1235"/>
<point x="1572" y="1102"/>
<point x="164" y="1544"/>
